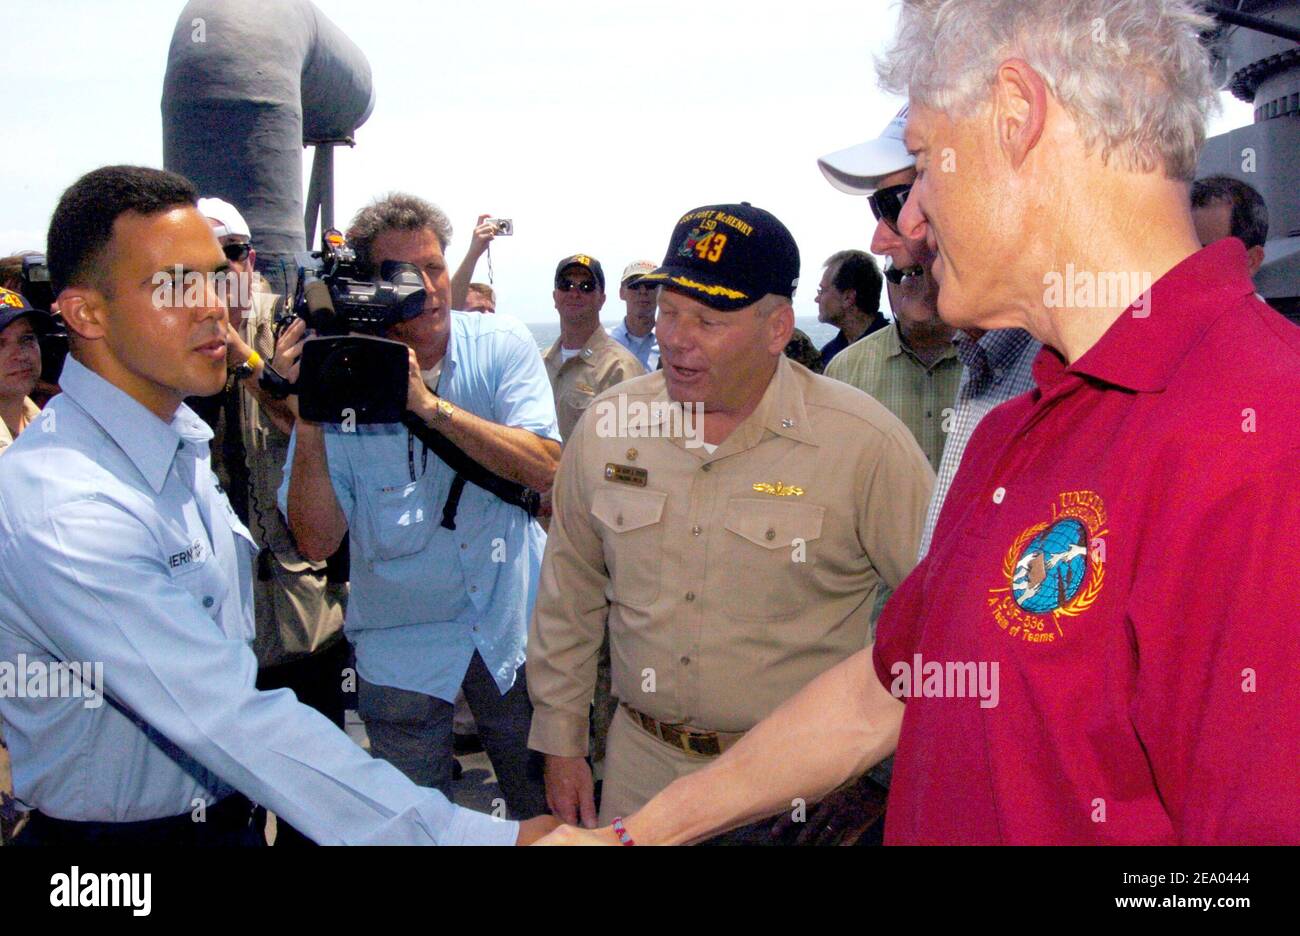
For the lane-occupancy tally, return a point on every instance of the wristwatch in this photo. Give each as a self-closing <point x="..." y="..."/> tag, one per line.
<point x="442" y="411"/>
<point x="248" y="368"/>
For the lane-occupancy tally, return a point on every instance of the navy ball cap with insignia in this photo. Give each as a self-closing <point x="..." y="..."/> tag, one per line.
<point x="582" y="260"/>
<point x="729" y="257"/>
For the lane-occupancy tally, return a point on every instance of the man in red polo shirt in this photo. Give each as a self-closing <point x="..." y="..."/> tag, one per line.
<point x="1100" y="646"/>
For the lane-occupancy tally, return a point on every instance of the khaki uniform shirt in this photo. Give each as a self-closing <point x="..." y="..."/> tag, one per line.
<point x="729" y="580"/>
<point x="31" y="412"/>
<point x="922" y="397"/>
<point x="297" y="611"/>
<point x="601" y="363"/>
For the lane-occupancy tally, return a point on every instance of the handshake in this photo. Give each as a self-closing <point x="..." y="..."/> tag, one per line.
<point x="550" y="830"/>
<point x="569" y="794"/>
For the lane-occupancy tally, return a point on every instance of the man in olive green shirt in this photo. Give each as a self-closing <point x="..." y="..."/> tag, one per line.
<point x="911" y="366"/>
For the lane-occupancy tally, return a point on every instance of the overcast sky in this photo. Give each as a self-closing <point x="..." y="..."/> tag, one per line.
<point x="593" y="126"/>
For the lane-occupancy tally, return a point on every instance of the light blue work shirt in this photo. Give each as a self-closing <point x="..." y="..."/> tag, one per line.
<point x="423" y="598"/>
<point x="645" y="349"/>
<point x="118" y="547"/>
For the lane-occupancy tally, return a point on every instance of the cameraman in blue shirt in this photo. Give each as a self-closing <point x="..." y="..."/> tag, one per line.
<point x="437" y="605"/>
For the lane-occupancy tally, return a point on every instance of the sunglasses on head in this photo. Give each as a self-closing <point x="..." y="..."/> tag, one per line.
<point x="887" y="204"/>
<point x="236" y="252"/>
<point x="567" y="285"/>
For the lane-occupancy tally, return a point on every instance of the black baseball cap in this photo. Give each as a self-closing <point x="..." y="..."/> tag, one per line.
<point x="729" y="257"/>
<point x="14" y="305"/>
<point x="582" y="260"/>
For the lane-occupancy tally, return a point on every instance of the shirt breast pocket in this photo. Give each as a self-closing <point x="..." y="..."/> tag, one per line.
<point x="770" y="557"/>
<point x="579" y="396"/>
<point x="399" y="519"/>
<point x="631" y="523"/>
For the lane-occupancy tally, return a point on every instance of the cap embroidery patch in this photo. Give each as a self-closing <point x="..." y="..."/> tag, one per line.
<point x="708" y="247"/>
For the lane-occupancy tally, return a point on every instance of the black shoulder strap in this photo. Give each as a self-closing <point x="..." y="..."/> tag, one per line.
<point x="467" y="469"/>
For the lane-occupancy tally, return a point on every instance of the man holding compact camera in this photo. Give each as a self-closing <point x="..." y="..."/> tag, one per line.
<point x="485" y="230"/>
<point x="443" y="572"/>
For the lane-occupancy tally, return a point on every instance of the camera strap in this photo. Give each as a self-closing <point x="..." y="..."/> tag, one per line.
<point x="467" y="469"/>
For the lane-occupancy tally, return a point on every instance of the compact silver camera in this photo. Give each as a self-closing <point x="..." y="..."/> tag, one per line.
<point x="505" y="227"/>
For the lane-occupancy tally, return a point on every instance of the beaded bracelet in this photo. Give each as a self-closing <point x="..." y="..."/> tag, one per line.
<point x="621" y="831"/>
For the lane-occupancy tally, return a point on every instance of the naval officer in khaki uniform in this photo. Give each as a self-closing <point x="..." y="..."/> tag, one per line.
<point x="730" y="519"/>
<point x="584" y="360"/>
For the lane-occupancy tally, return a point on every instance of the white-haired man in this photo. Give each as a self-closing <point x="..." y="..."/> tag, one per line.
<point x="1123" y="511"/>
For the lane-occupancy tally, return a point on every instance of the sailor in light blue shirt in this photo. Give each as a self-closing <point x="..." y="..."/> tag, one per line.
<point x="642" y="305"/>
<point x="424" y="598"/>
<point x="118" y="547"/>
<point x="118" y="550"/>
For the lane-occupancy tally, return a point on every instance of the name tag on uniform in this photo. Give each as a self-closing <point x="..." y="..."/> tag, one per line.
<point x="626" y="474"/>
<point x="191" y="555"/>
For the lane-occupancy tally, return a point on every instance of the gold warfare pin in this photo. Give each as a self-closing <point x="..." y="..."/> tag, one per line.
<point x="778" y="489"/>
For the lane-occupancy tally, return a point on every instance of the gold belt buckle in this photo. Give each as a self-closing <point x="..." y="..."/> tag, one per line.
<point x="699" y="743"/>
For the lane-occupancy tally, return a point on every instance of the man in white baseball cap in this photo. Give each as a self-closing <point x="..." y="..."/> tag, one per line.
<point x="225" y="219"/>
<point x="858" y="169"/>
<point x="298" y="607"/>
<point x="996" y="365"/>
<point x="636" y="331"/>
<point x="911" y="366"/>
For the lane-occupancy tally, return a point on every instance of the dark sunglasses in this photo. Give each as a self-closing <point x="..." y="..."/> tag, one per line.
<point x="568" y="285"/>
<point x="236" y="252"/>
<point x="896" y="274"/>
<point x="887" y="204"/>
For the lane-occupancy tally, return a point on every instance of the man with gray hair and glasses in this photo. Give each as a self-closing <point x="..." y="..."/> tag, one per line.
<point x="1126" y="510"/>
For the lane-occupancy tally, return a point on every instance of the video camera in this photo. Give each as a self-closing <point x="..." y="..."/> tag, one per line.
<point x="36" y="288"/>
<point x="344" y="376"/>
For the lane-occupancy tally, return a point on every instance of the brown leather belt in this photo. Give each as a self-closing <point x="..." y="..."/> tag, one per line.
<point x="690" y="740"/>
